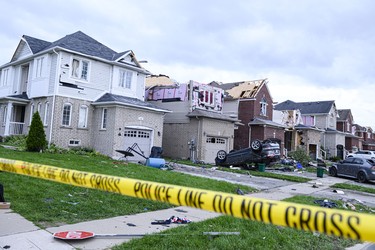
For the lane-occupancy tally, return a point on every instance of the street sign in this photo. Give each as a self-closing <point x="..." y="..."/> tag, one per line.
<point x="73" y="235"/>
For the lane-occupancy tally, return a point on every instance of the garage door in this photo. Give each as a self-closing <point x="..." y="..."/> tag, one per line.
<point x="214" y="144"/>
<point x="142" y="138"/>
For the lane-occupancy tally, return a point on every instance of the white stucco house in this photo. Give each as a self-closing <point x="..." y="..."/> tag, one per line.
<point x="86" y="94"/>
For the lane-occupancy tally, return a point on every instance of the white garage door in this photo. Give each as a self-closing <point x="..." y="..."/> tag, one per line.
<point x="214" y="144"/>
<point x="143" y="140"/>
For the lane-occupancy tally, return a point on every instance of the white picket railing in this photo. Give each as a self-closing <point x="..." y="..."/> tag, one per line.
<point x="16" y="128"/>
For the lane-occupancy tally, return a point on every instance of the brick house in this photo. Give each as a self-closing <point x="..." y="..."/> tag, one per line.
<point x="345" y="124"/>
<point x="368" y="139"/>
<point x="251" y="103"/>
<point x="86" y="94"/>
<point x="196" y="129"/>
<point x="315" y="129"/>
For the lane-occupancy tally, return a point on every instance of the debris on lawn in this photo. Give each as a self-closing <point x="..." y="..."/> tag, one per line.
<point x="239" y="191"/>
<point x="326" y="203"/>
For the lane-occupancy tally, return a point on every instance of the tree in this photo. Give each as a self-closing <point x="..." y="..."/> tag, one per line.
<point x="36" y="139"/>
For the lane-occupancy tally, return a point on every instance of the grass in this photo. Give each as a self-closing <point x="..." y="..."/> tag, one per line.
<point x="354" y="187"/>
<point x="48" y="203"/>
<point x="253" y="235"/>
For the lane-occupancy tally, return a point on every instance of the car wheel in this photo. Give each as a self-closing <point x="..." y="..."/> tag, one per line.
<point x="256" y="145"/>
<point x="361" y="176"/>
<point x="221" y="155"/>
<point x="332" y="171"/>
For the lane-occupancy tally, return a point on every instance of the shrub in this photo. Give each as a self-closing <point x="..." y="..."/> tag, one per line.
<point x="18" y="141"/>
<point x="301" y="156"/>
<point x="36" y="139"/>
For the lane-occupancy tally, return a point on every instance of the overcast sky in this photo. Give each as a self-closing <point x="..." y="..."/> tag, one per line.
<point x="309" y="50"/>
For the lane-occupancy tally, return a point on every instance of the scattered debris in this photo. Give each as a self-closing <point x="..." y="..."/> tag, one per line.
<point x="239" y="191"/>
<point x="131" y="224"/>
<point x="180" y="210"/>
<point x="315" y="186"/>
<point x="325" y="203"/>
<point x="172" y="219"/>
<point x="352" y="207"/>
<point x="338" y="191"/>
<point x="4" y="205"/>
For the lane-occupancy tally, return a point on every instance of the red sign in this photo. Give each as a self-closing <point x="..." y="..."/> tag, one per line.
<point x="73" y="235"/>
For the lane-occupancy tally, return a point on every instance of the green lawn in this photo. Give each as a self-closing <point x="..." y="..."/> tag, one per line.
<point x="48" y="203"/>
<point x="253" y="235"/>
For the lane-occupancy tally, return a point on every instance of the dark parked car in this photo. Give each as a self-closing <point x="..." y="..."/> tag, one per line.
<point x="354" y="167"/>
<point x="258" y="152"/>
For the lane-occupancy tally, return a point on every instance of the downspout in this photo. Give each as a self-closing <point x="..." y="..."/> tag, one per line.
<point x="54" y="96"/>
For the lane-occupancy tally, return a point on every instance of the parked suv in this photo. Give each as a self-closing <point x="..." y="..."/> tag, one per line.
<point x="366" y="154"/>
<point x="258" y="152"/>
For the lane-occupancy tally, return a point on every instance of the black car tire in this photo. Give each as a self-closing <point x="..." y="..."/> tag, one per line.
<point x="332" y="171"/>
<point x="361" y="176"/>
<point x="221" y="155"/>
<point x="256" y="145"/>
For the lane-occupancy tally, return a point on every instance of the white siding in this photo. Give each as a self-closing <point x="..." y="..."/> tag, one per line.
<point x="39" y="86"/>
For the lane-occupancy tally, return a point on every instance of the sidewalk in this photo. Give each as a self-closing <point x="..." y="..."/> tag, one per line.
<point x="16" y="233"/>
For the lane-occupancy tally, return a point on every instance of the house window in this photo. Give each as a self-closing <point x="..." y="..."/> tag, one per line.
<point x="80" y="69"/>
<point x="125" y="79"/>
<point x="39" y="107"/>
<point x="45" y="118"/>
<point x="39" y="67"/>
<point x="67" y="114"/>
<point x="82" y="122"/>
<point x="347" y="126"/>
<point x="263" y="107"/>
<point x="31" y="112"/>
<point x="104" y="118"/>
<point x="5" y="115"/>
<point x="4" y="77"/>
<point x="308" y="120"/>
<point x="206" y="98"/>
<point x="74" y="143"/>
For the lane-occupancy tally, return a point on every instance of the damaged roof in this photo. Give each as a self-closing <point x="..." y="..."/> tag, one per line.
<point x="238" y="90"/>
<point x="320" y="107"/>
<point x="160" y="80"/>
<point x="110" y="99"/>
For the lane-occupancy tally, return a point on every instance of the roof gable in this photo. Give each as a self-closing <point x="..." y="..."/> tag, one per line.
<point x="320" y="107"/>
<point x="344" y="114"/>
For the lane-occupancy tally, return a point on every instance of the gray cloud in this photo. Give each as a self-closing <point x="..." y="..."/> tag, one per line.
<point x="314" y="42"/>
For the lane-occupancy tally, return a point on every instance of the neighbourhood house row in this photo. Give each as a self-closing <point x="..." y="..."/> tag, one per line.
<point x="312" y="126"/>
<point x="86" y="94"/>
<point x="207" y="118"/>
<point x="91" y="96"/>
<point x="321" y="129"/>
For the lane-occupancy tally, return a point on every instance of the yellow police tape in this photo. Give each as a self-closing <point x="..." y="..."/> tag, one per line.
<point x="341" y="223"/>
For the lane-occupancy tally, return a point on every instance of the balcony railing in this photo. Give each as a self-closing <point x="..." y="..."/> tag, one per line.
<point x="16" y="128"/>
